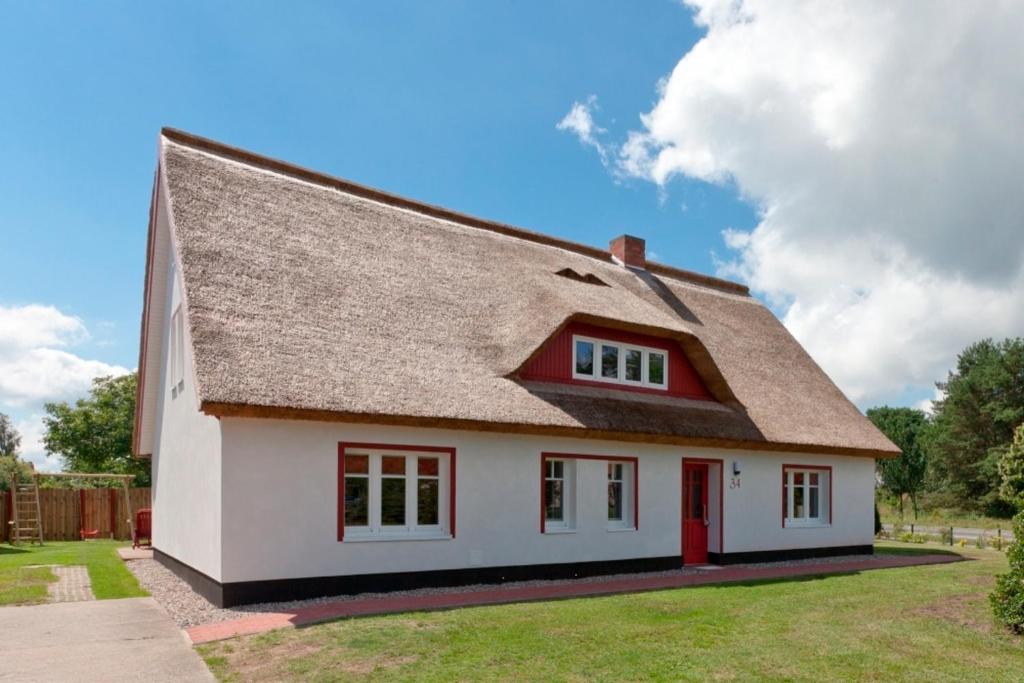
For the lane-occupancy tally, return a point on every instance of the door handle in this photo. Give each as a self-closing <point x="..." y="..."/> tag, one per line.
<point x="706" y="522"/>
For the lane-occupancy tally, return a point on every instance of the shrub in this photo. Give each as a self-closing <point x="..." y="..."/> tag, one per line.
<point x="878" y="521"/>
<point x="979" y="542"/>
<point x="1008" y="597"/>
<point x="912" y="538"/>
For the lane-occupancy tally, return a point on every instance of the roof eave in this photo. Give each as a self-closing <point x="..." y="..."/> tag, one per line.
<point x="241" y="410"/>
<point x="137" y="446"/>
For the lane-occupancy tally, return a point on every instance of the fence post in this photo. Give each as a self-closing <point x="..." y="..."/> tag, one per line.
<point x="951" y="536"/>
<point x="911" y="528"/>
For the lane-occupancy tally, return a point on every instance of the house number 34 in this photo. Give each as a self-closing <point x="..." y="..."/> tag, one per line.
<point x="734" y="483"/>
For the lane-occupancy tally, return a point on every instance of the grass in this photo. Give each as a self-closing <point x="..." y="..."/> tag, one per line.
<point x="916" y="624"/>
<point x="109" y="576"/>
<point x="890" y="514"/>
<point x="24" y="585"/>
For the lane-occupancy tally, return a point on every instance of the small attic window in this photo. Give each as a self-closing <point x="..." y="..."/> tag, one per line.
<point x="589" y="278"/>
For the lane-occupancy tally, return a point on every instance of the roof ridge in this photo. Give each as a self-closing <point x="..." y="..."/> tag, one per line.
<point x="302" y="173"/>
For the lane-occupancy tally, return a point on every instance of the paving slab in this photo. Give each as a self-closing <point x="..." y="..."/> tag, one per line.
<point x="132" y="639"/>
<point x="72" y="585"/>
<point x="129" y="553"/>
<point x="302" y="616"/>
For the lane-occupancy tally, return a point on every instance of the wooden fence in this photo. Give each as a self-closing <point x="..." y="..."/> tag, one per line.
<point x="104" y="510"/>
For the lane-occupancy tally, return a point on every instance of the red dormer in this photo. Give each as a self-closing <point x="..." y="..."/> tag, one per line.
<point x="595" y="356"/>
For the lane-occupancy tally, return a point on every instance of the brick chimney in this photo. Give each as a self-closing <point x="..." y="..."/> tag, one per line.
<point x="629" y="251"/>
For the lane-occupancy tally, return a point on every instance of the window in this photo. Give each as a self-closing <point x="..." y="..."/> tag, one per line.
<point x="558" y="495"/>
<point x="584" y="357"/>
<point x="609" y="361"/>
<point x="390" y="494"/>
<point x="610" y="481"/>
<point x="619" y="363"/>
<point x="177" y="353"/>
<point x="620" y="494"/>
<point x="806" y="496"/>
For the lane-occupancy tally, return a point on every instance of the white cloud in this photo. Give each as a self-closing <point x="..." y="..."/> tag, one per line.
<point x="580" y="122"/>
<point x="36" y="367"/>
<point x="32" y="449"/>
<point x="881" y="143"/>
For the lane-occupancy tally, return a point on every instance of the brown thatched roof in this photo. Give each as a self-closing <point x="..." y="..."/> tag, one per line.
<point x="310" y="297"/>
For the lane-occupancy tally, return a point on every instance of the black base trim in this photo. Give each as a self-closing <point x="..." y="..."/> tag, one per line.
<point x="274" y="590"/>
<point x="791" y="554"/>
<point x="208" y="587"/>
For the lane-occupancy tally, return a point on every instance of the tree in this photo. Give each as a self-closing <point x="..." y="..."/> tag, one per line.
<point x="973" y="423"/>
<point x="95" y="435"/>
<point x="11" y="467"/>
<point x="1011" y="471"/>
<point x="10" y="440"/>
<point x="905" y="475"/>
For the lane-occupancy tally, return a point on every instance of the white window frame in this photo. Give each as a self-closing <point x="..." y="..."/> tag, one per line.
<point x="622" y="348"/>
<point x="411" y="530"/>
<point x="626" y="522"/>
<point x="568" y="522"/>
<point x="177" y="354"/>
<point x="824" y="487"/>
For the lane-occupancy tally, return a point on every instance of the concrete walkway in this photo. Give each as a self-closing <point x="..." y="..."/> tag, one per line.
<point x="267" y="621"/>
<point x="101" y="640"/>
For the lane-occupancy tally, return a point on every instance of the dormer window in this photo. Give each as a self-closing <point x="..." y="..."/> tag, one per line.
<point x="619" y="363"/>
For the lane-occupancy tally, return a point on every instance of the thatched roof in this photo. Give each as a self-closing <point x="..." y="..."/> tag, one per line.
<point x="310" y="297"/>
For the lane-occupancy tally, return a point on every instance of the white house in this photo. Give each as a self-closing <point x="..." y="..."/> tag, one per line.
<point x="343" y="390"/>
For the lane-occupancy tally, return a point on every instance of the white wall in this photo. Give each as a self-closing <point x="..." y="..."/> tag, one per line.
<point x="280" y="502"/>
<point x="753" y="512"/>
<point x="186" y="457"/>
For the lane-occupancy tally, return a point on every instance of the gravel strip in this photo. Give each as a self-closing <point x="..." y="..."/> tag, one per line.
<point x="188" y="608"/>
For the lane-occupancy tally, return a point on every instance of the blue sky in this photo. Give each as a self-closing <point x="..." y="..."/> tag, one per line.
<point x="453" y="103"/>
<point x="855" y="162"/>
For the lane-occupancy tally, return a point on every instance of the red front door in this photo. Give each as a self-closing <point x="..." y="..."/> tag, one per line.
<point x="695" y="513"/>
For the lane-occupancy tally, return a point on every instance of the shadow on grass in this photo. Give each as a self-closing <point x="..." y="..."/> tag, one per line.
<point x="11" y="550"/>
<point x="920" y="550"/>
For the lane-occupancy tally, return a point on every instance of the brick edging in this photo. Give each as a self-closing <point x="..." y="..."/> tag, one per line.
<point x="258" y="623"/>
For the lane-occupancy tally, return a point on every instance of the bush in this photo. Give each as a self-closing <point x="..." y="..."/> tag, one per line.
<point x="912" y="538"/>
<point x="878" y="521"/>
<point x="1008" y="597"/>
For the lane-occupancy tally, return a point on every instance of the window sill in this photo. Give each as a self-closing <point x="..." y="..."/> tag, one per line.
<point x="375" y="538"/>
<point x="559" y="531"/>
<point x="807" y="525"/>
<point x="617" y="529"/>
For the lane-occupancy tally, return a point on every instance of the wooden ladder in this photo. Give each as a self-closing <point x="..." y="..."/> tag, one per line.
<point x="28" y="517"/>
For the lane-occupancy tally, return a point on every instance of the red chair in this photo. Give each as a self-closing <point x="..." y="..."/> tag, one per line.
<point x="143" y="528"/>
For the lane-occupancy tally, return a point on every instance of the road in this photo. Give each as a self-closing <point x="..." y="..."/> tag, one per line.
<point x="966" y="533"/>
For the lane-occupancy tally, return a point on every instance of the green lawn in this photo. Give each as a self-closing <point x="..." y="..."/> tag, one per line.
<point x="108" y="573"/>
<point x="919" y="624"/>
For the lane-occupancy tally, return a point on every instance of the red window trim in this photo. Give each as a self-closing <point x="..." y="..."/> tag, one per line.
<point x="823" y="468"/>
<point x="721" y="499"/>
<point x="345" y="446"/>
<point x="545" y="456"/>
